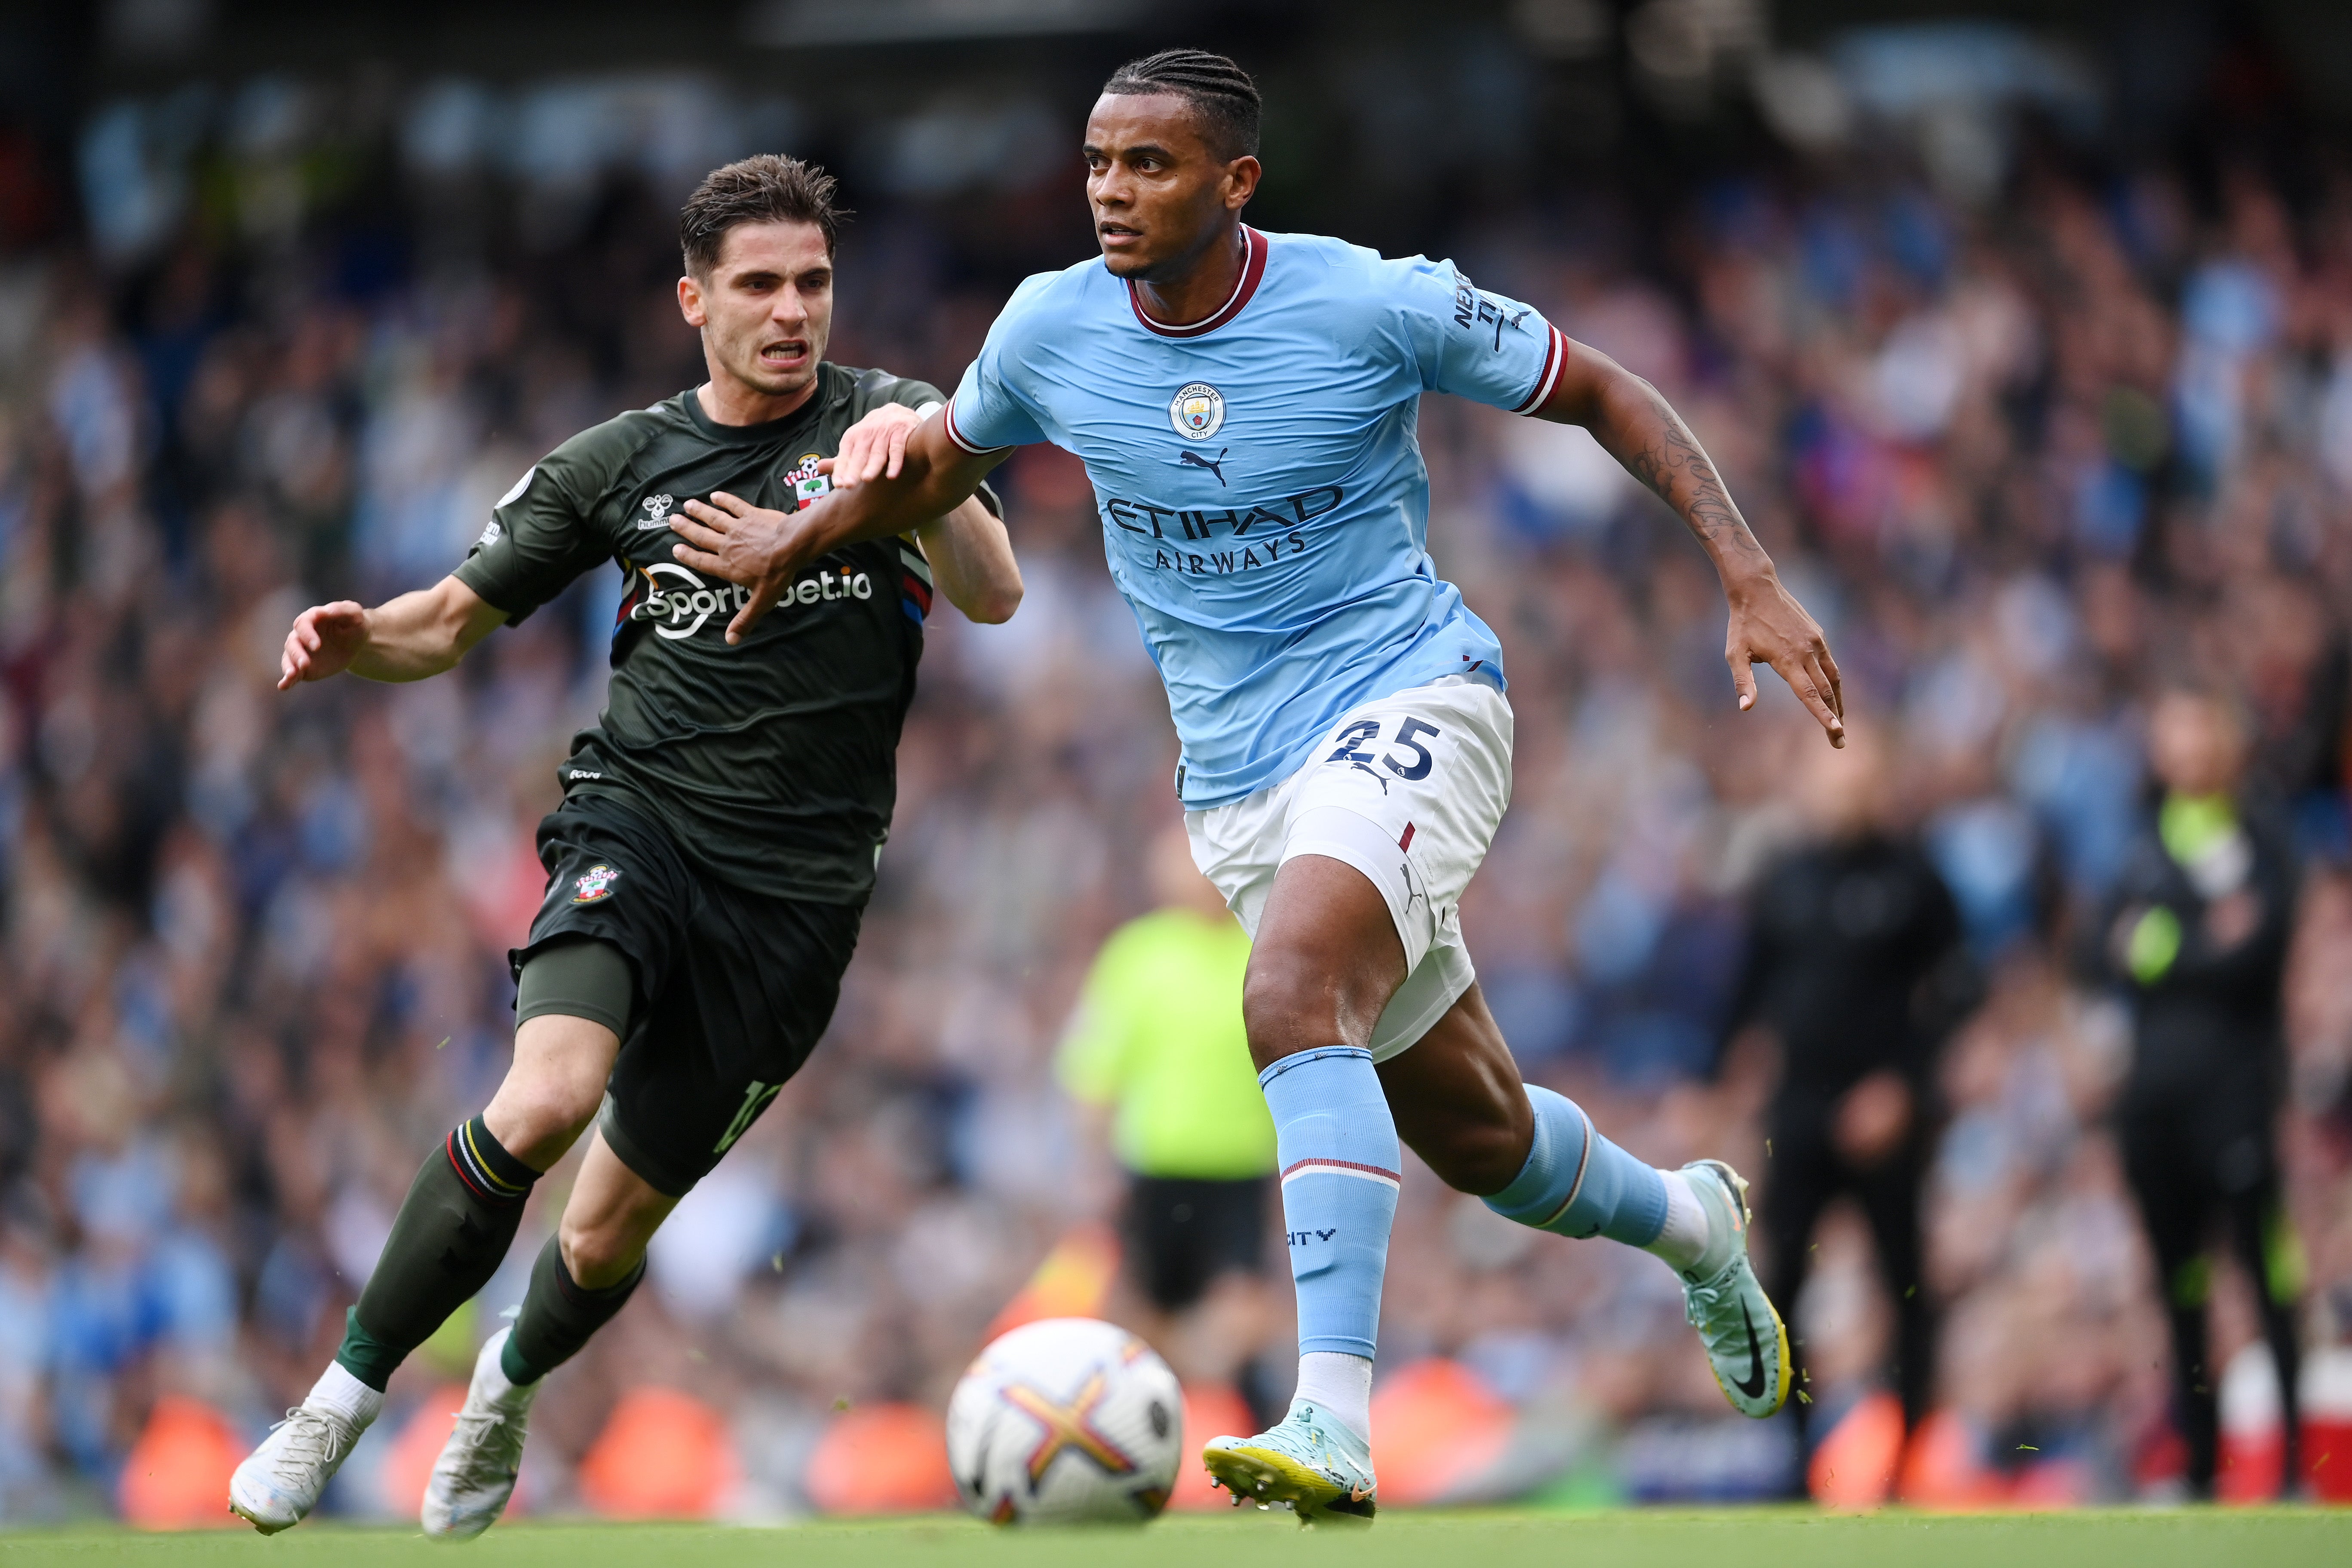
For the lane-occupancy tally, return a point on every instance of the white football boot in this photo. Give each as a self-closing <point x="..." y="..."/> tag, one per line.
<point x="279" y="1482"/>
<point x="475" y="1476"/>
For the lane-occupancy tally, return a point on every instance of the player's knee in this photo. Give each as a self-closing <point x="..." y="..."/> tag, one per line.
<point x="598" y="1253"/>
<point x="1287" y="1007"/>
<point x="1269" y="997"/>
<point x="538" y="1115"/>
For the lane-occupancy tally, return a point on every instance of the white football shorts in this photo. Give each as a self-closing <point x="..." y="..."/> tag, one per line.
<point x="1408" y="790"/>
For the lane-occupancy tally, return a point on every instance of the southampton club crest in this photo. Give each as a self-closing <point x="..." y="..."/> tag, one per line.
<point x="807" y="483"/>
<point x="594" y="885"/>
<point x="1197" y="412"/>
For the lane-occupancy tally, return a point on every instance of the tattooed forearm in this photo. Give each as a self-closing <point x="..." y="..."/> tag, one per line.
<point x="1766" y="623"/>
<point x="1671" y="464"/>
<point x="1637" y="427"/>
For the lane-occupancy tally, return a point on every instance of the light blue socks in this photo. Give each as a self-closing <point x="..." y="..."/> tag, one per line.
<point x="1577" y="1182"/>
<point x="1338" y="1147"/>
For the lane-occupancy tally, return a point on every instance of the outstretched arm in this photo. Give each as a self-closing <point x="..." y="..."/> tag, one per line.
<point x="972" y="562"/>
<point x="406" y="639"/>
<point x="762" y="550"/>
<point x="970" y="553"/>
<point x="1637" y="427"/>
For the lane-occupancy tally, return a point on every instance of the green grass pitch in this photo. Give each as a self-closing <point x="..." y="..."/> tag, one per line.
<point x="1728" y="1538"/>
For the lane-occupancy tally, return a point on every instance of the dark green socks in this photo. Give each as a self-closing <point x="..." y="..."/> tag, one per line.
<point x="453" y="1231"/>
<point x="558" y="1315"/>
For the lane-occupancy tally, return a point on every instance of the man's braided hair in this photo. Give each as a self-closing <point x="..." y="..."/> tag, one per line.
<point x="1220" y="92"/>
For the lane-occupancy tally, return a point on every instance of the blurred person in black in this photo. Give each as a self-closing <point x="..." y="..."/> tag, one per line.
<point x="1856" y="972"/>
<point x="2197" y="939"/>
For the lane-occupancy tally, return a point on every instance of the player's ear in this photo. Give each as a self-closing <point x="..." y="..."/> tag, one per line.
<point x="1241" y="181"/>
<point x="690" y="300"/>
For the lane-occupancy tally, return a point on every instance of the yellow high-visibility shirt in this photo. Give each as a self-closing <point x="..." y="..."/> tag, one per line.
<point x="1159" y="1036"/>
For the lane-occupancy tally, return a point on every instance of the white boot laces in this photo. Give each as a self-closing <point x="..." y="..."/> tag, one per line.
<point x="490" y="1452"/>
<point x="306" y="1438"/>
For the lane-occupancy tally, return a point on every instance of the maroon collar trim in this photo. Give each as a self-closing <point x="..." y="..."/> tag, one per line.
<point x="1253" y="271"/>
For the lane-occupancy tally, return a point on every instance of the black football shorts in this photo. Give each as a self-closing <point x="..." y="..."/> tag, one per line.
<point x="732" y="989"/>
<point x="1185" y="1233"/>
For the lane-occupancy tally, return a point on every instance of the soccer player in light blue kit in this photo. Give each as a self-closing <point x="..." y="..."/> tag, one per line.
<point x="1244" y="403"/>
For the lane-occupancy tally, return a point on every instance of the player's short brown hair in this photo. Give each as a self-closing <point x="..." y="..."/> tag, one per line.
<point x="766" y="188"/>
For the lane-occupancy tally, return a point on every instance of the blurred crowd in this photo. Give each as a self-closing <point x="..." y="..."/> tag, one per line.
<point x="2021" y="462"/>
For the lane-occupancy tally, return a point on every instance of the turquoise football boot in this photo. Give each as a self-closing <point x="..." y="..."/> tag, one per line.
<point x="1314" y="1464"/>
<point x="1747" y="1344"/>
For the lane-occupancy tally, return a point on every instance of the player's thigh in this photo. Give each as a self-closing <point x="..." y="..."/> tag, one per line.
<point x="1323" y="950"/>
<point x="611" y="1214"/>
<point x="617" y="880"/>
<point x="755" y="987"/>
<point x="1459" y="1101"/>
<point x="1406" y="793"/>
<point x="1326" y="961"/>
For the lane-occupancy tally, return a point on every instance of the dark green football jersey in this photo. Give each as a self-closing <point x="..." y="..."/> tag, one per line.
<point x="772" y="763"/>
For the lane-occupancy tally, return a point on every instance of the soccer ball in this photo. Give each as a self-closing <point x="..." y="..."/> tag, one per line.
<point x="1066" y="1421"/>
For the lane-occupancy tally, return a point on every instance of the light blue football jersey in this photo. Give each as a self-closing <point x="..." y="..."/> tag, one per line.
<point x="1263" y="501"/>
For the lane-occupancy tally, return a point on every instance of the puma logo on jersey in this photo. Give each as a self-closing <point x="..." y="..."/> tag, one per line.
<point x="1215" y="465"/>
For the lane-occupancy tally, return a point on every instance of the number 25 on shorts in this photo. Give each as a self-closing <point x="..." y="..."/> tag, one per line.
<point x="1364" y="733"/>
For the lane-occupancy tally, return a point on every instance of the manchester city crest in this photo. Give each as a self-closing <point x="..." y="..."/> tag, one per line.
<point x="1197" y="412"/>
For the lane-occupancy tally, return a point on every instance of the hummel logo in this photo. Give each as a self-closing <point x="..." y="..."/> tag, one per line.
<point x="755" y="1101"/>
<point x="1215" y="465"/>
<point x="1752" y="1385"/>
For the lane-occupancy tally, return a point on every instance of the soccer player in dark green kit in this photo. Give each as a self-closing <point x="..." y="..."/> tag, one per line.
<point x="715" y="844"/>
